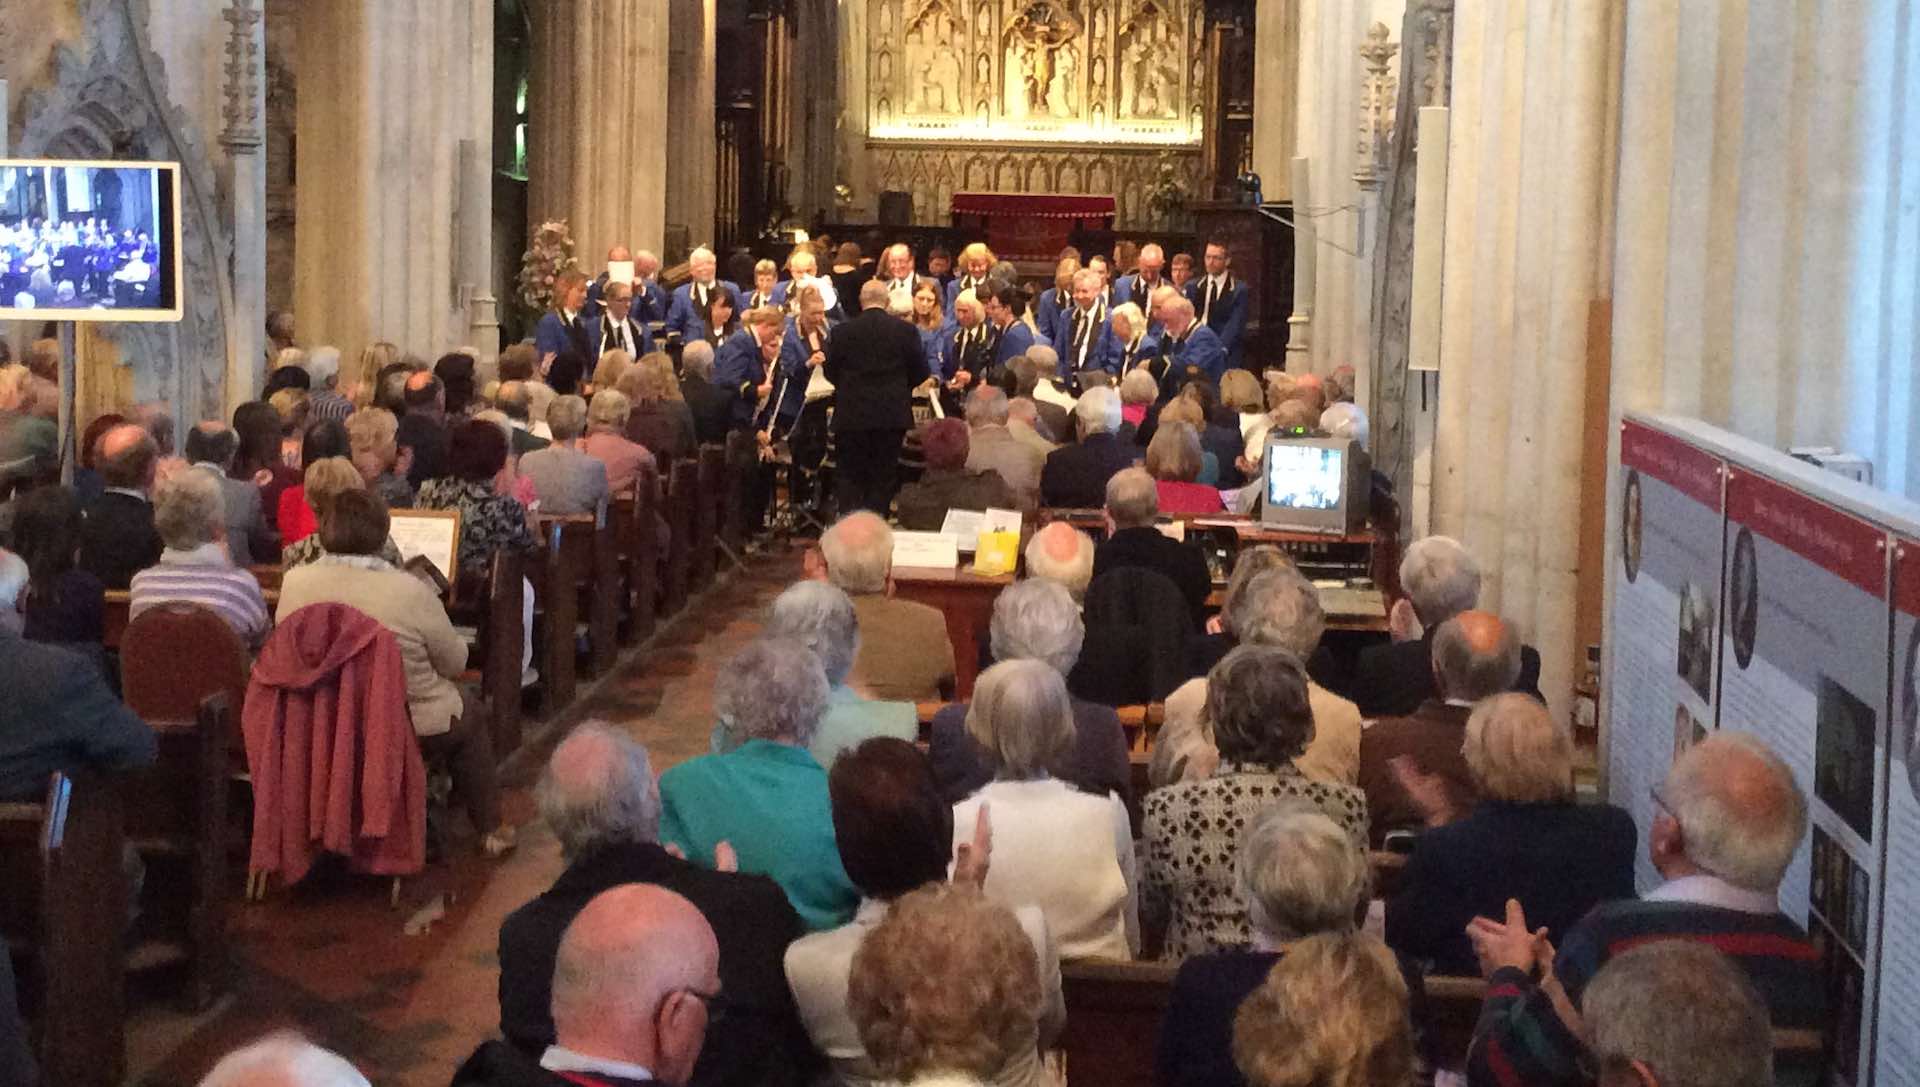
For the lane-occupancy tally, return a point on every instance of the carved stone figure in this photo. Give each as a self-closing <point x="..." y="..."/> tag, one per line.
<point x="1060" y="89"/>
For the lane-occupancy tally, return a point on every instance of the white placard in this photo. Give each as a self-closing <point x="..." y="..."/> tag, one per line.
<point x="434" y="534"/>
<point x="925" y="551"/>
<point x="964" y="526"/>
<point x="995" y="520"/>
<point x="619" y="271"/>
<point x="1173" y="530"/>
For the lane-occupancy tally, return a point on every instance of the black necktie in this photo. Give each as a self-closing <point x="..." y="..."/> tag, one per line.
<point x="1079" y="332"/>
<point x="1207" y="300"/>
<point x="700" y="295"/>
<point x="619" y="336"/>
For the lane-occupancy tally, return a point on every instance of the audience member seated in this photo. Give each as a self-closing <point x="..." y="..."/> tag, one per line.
<point x="661" y="419"/>
<point x="821" y="617"/>
<point x="328" y="479"/>
<point x="767" y="798"/>
<point x="1174" y="461"/>
<point x="607" y="442"/>
<point x="87" y="484"/>
<point x="1075" y="476"/>
<point x="258" y="461"/>
<point x="1529" y="839"/>
<point x="636" y="985"/>
<point x="1297" y="874"/>
<point x="1138" y="391"/>
<point x="283" y="1059"/>
<point x="1727" y="821"/>
<point x="211" y="448"/>
<point x="992" y="447"/>
<point x="566" y="478"/>
<point x="1062" y="554"/>
<point x="1674" y="1014"/>
<point x="58" y="713"/>
<point x="371" y="436"/>
<point x="1023" y="422"/>
<point x="1262" y="718"/>
<point x="290" y="404"/>
<point x="946" y="990"/>
<point x="489" y="522"/>
<point x="526" y="431"/>
<point x="895" y="834"/>
<point x="63" y="604"/>
<point x="1132" y="504"/>
<point x="1185" y="410"/>
<point x="905" y="652"/>
<point x="1068" y="852"/>
<point x="1035" y="619"/>
<point x="599" y="797"/>
<point x="194" y="567"/>
<point x="1332" y="1014"/>
<point x="1475" y="656"/>
<point x="298" y="516"/>
<point x="424" y="428"/>
<point x="447" y="718"/>
<point x="1219" y="427"/>
<point x="1251" y="562"/>
<point x="1280" y="608"/>
<point x="1441" y="581"/>
<point x="710" y="405"/>
<point x="947" y="482"/>
<point x="118" y="537"/>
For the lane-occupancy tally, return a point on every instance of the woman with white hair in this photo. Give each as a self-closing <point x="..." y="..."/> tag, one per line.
<point x="607" y="442"/>
<point x="1297" y="874"/>
<point x="821" y="617"/>
<point x="1257" y="701"/>
<point x="190" y="515"/>
<point x="1068" y="852"/>
<point x="767" y="798"/>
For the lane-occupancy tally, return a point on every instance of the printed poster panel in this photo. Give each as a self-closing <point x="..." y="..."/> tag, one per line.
<point x="1897" y="1022"/>
<point x="1666" y="593"/>
<point x="1804" y="667"/>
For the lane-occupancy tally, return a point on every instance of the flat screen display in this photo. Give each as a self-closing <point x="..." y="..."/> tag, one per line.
<point x="89" y="241"/>
<point x="1305" y="477"/>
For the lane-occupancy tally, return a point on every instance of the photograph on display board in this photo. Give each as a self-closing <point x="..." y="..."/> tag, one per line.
<point x="1897" y="969"/>
<point x="1696" y="639"/>
<point x="1908" y="741"/>
<point x="1843" y="757"/>
<point x="1743" y="598"/>
<point x="1630" y="521"/>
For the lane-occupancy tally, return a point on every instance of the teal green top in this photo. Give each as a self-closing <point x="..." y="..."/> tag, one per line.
<point x="849" y="720"/>
<point x="769" y="801"/>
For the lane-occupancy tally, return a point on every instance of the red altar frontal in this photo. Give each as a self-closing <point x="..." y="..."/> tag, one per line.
<point x="1030" y="226"/>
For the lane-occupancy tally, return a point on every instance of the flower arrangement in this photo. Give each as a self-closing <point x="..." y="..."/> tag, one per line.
<point x="549" y="253"/>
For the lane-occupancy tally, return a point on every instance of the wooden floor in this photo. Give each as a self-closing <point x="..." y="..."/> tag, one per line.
<point x="331" y="960"/>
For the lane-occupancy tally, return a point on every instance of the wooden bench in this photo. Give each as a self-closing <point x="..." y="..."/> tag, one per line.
<point x="709" y="498"/>
<point x="681" y="501"/>
<point x="1114" y="1010"/>
<point x="64" y="909"/>
<point x="493" y="609"/>
<point x="1450" y="1008"/>
<point x="637" y="549"/>
<point x="176" y="813"/>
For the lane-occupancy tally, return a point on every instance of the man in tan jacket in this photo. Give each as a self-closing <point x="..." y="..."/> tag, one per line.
<point x="905" y="652"/>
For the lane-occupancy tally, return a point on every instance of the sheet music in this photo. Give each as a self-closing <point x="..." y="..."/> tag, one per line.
<point x="427" y="534"/>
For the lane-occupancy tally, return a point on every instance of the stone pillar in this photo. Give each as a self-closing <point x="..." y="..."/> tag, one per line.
<point x="691" y="170"/>
<point x="851" y="138"/>
<point x="245" y="186"/>
<point x="388" y="93"/>
<point x="597" y="135"/>
<point x="1276" y="85"/>
<point x="476" y="192"/>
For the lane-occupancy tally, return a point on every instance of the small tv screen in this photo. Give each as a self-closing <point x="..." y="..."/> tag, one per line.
<point x="89" y="241"/>
<point x="1305" y="477"/>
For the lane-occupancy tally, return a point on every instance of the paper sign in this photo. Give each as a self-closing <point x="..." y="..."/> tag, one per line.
<point x="619" y="271"/>
<point x="1001" y="521"/>
<point x="1173" y="530"/>
<point x="925" y="550"/>
<point x="430" y="534"/>
<point x="964" y="527"/>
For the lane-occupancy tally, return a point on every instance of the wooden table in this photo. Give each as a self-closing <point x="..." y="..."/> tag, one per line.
<point x="966" y="599"/>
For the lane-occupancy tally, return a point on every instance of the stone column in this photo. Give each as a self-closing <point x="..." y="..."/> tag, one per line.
<point x="851" y="137"/>
<point x="1276" y="85"/>
<point x="597" y="136"/>
<point x="691" y="175"/>
<point x="388" y="93"/>
<point x="476" y="192"/>
<point x="245" y="185"/>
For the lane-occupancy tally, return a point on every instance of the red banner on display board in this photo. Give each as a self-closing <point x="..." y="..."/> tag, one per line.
<point x="1824" y="536"/>
<point x="1673" y="462"/>
<point x="1906" y="575"/>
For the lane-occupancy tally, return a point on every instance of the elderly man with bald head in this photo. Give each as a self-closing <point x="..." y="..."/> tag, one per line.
<point x="599" y="797"/>
<point x="905" y="653"/>
<point x="1727" y="822"/>
<point x="635" y="984"/>
<point x="118" y="538"/>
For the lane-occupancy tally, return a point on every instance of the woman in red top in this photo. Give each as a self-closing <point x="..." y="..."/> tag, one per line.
<point x="294" y="515"/>
<point x="1174" y="461"/>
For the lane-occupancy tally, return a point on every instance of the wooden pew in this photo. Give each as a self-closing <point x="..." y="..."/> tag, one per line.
<point x="493" y="609"/>
<point x="680" y="521"/>
<point x="176" y="813"/>
<point x="709" y="496"/>
<point x="1448" y="1013"/>
<point x="62" y="914"/>
<point x="568" y="555"/>
<point x="637" y="547"/>
<point x="1114" y="1010"/>
<point x="591" y="557"/>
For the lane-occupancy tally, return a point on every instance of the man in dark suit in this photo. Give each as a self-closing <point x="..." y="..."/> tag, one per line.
<point x="687" y="313"/>
<point x="118" y="539"/>
<point x="596" y="771"/>
<point x="1220" y="301"/>
<point x="1075" y="476"/>
<point x="1441" y="580"/>
<point x="1475" y="656"/>
<point x="710" y="405"/>
<point x="423" y="429"/>
<point x="616" y="327"/>
<point x="210" y="448"/>
<point x="875" y="361"/>
<point x="1132" y="540"/>
<point x="58" y="713"/>
<point x="1138" y="286"/>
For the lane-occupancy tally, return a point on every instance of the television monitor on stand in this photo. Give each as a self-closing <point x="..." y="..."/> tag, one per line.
<point x="1316" y="485"/>
<point x="89" y="241"/>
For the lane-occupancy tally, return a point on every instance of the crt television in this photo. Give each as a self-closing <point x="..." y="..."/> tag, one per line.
<point x="89" y="241"/>
<point x="1314" y="484"/>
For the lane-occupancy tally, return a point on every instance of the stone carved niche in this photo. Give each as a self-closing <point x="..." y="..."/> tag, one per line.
<point x="933" y="173"/>
<point x="106" y="97"/>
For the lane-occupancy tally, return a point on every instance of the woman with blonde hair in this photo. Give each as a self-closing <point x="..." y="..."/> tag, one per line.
<point x="1332" y="1014"/>
<point x="326" y="480"/>
<point x="371" y="437"/>
<point x="1241" y="391"/>
<point x="976" y="260"/>
<point x="660" y="420"/>
<point x="374" y="358"/>
<point x="291" y="406"/>
<point x="1174" y="461"/>
<point x="1190" y="409"/>
<point x="606" y="372"/>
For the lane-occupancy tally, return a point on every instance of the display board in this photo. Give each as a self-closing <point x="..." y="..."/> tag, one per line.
<point x="1750" y="591"/>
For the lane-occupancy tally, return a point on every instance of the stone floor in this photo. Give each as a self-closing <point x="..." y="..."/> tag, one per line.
<point x="331" y="960"/>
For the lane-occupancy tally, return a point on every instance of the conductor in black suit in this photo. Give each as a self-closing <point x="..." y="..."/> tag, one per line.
<point x="1441" y="580"/>
<point x="875" y="361"/>
<point x="118" y="539"/>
